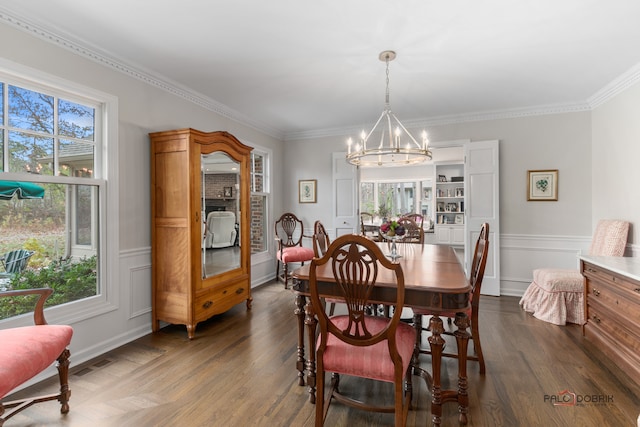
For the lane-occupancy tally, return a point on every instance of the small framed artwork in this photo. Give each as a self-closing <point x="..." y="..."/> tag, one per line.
<point x="228" y="191"/>
<point x="542" y="185"/>
<point x="442" y="178"/>
<point x="459" y="219"/>
<point x="460" y="192"/>
<point x="307" y="191"/>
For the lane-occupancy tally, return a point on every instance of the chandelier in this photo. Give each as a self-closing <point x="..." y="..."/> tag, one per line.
<point x="392" y="150"/>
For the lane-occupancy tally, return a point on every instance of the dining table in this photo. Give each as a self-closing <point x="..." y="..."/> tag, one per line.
<point x="434" y="280"/>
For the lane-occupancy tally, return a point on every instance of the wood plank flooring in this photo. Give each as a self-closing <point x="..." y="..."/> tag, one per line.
<point x="240" y="371"/>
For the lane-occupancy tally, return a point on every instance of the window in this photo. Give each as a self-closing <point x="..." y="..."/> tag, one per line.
<point x="51" y="140"/>
<point x="259" y="201"/>
<point x="388" y="199"/>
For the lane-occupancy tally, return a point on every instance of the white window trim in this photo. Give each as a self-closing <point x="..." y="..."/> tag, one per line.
<point x="265" y="255"/>
<point x="107" y="171"/>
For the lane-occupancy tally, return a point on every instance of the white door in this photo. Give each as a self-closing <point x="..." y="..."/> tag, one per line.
<point x="345" y="195"/>
<point x="483" y="205"/>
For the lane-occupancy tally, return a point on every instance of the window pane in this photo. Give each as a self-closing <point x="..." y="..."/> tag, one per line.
<point x="1" y="109"/>
<point x="76" y="158"/>
<point x="30" y="153"/>
<point x="75" y="120"/>
<point x="396" y="198"/>
<point x="41" y="226"/>
<point x="258" y="223"/>
<point x="367" y="202"/>
<point x="257" y="172"/>
<point x="83" y="215"/>
<point x="30" y="110"/>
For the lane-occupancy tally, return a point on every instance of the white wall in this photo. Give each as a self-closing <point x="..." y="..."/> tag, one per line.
<point x="533" y="234"/>
<point x="616" y="161"/>
<point x="143" y="108"/>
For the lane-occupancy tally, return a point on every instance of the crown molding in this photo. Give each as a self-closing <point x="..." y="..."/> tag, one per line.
<point x="620" y="84"/>
<point x="139" y="73"/>
<point x="451" y="119"/>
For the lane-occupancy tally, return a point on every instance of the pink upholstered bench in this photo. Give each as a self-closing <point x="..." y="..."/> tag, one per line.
<point x="26" y="351"/>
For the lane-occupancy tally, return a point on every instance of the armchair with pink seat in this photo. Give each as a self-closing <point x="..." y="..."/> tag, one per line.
<point x="26" y="351"/>
<point x="557" y="295"/>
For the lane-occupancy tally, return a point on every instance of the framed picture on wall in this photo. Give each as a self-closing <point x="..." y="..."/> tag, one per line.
<point x="307" y="191"/>
<point x="228" y="191"/>
<point x="542" y="185"/>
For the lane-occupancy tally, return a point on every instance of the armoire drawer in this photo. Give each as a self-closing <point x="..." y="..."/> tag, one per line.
<point x="219" y="300"/>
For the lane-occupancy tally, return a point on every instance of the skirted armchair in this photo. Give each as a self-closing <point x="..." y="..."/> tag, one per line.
<point x="557" y="295"/>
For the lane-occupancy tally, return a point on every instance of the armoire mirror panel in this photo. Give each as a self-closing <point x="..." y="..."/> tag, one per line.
<point x="220" y="176"/>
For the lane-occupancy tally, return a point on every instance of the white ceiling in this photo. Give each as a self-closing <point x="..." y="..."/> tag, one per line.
<point x="297" y="68"/>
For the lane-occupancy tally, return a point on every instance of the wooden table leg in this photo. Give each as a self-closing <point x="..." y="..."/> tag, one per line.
<point x="437" y="344"/>
<point x="299" y="313"/>
<point x="462" y="340"/>
<point x="311" y="322"/>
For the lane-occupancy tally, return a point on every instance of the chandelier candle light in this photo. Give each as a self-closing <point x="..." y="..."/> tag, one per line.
<point x="391" y="151"/>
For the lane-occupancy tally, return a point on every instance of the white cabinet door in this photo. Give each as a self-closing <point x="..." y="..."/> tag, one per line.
<point x="443" y="235"/>
<point x="483" y="205"/>
<point x="457" y="236"/>
<point x="449" y="235"/>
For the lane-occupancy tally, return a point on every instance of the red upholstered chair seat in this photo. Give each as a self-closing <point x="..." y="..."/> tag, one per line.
<point x="29" y="350"/>
<point x="374" y="361"/>
<point x="295" y="254"/>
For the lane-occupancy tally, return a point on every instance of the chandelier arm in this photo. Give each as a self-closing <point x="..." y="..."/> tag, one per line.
<point x="405" y="130"/>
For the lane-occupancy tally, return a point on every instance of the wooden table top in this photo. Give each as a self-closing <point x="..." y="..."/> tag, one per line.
<point x="432" y="274"/>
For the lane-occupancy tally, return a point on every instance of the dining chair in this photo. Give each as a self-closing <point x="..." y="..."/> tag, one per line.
<point x="289" y="233"/>
<point x="557" y="295"/>
<point x="357" y="344"/>
<point x="367" y="228"/>
<point x="414" y="233"/>
<point x="418" y="218"/>
<point x="475" y="280"/>
<point x="321" y="243"/>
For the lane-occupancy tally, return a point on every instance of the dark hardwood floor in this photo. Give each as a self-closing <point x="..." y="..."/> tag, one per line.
<point x="240" y="371"/>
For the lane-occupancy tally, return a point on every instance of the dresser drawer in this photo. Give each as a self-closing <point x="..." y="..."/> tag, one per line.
<point x="624" y="333"/>
<point x="218" y="300"/>
<point x="619" y="300"/>
<point x="625" y="287"/>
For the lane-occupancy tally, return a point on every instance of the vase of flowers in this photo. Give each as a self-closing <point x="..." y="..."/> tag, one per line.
<point x="392" y="231"/>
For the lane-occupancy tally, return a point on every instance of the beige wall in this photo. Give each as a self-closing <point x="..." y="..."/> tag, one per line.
<point x="616" y="160"/>
<point x="560" y="141"/>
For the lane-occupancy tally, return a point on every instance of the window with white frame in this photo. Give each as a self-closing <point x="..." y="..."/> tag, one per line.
<point x="52" y="188"/>
<point x="259" y="201"/>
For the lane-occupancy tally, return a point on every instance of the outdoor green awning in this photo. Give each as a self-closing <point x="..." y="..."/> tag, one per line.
<point x="24" y="190"/>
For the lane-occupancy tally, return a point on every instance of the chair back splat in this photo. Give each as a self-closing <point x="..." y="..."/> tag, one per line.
<point x="357" y="344"/>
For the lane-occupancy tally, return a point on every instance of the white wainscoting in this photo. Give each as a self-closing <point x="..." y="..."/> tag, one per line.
<point x="520" y="254"/>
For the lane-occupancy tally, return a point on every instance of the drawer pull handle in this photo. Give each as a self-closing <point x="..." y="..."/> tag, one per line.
<point x="239" y="291"/>
<point x="207" y="304"/>
<point x="596" y="319"/>
<point x="596" y="292"/>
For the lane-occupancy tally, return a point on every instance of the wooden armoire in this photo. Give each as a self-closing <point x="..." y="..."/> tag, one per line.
<point x="184" y="291"/>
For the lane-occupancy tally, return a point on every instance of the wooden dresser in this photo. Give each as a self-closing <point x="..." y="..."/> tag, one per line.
<point x="612" y="298"/>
